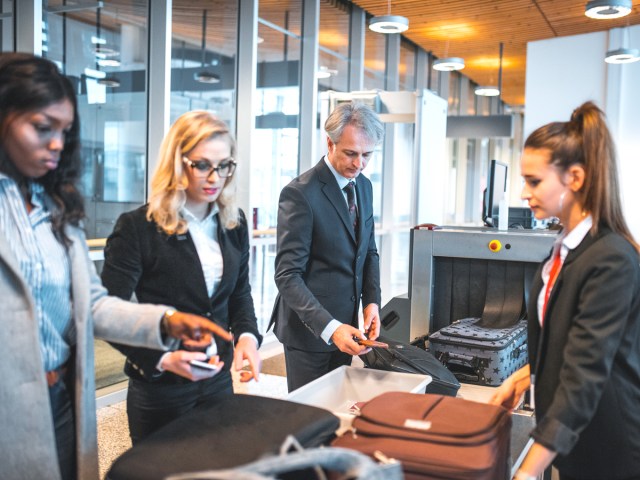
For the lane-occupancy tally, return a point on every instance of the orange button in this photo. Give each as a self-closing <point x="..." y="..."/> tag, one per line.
<point x="495" y="245"/>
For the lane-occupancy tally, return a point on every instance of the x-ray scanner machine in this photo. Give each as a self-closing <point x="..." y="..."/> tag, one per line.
<point x="461" y="272"/>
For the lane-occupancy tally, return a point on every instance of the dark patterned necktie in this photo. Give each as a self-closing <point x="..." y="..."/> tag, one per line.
<point x="351" y="201"/>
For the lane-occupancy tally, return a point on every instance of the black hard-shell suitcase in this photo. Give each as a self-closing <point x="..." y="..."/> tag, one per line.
<point x="475" y="354"/>
<point x="228" y="432"/>
<point x="400" y="357"/>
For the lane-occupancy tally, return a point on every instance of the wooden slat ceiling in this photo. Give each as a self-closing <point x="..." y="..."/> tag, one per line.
<point x="473" y="30"/>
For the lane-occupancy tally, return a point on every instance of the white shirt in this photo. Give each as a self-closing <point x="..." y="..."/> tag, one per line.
<point x="204" y="234"/>
<point x="565" y="243"/>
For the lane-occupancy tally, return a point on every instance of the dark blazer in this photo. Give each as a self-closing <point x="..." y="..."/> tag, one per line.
<point x="586" y="360"/>
<point x="166" y="269"/>
<point x="321" y="270"/>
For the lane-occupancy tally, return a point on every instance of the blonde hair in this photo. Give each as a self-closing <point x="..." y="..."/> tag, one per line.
<point x="170" y="180"/>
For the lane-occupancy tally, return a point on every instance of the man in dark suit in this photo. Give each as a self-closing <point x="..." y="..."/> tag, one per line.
<point x="327" y="260"/>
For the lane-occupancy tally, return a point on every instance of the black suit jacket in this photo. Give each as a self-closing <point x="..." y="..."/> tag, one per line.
<point x="586" y="360"/>
<point x="321" y="271"/>
<point x="166" y="269"/>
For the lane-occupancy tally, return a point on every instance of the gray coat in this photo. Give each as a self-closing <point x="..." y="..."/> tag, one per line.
<point x="27" y="443"/>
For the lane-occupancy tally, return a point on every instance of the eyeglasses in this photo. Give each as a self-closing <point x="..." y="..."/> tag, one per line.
<point x="203" y="168"/>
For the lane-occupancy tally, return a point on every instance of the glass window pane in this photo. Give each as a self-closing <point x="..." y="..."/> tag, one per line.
<point x="333" y="73"/>
<point x="286" y="14"/>
<point x="434" y="76"/>
<point x="6" y="25"/>
<point x="334" y="26"/>
<point x="333" y="64"/>
<point x="203" y="59"/>
<point x="374" y="60"/>
<point x="407" y="66"/>
<point x="104" y="53"/>
<point x="274" y="145"/>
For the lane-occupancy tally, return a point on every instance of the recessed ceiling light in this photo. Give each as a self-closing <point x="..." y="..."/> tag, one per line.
<point x="603" y="9"/>
<point x="448" y="64"/>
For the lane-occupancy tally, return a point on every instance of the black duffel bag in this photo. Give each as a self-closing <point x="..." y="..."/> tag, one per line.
<point x="401" y="357"/>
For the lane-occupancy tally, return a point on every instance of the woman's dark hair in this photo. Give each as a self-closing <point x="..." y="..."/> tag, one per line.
<point x="28" y="84"/>
<point x="585" y="140"/>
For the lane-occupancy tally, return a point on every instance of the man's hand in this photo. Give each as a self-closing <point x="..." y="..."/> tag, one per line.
<point x="371" y="316"/>
<point x="343" y="339"/>
<point x="178" y="362"/>
<point x="246" y="349"/>
<point x="195" y="331"/>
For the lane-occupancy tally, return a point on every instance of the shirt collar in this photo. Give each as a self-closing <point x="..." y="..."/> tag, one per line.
<point x="36" y="189"/>
<point x="342" y="181"/>
<point x="190" y="217"/>
<point x="572" y="239"/>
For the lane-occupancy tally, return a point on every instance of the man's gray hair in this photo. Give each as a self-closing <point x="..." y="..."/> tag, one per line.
<point x="357" y="114"/>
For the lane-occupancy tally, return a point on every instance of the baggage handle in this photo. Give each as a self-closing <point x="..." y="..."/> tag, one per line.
<point x="353" y="464"/>
<point x="516" y="352"/>
<point x="474" y="363"/>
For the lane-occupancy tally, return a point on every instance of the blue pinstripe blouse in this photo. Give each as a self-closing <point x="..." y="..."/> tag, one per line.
<point x="44" y="264"/>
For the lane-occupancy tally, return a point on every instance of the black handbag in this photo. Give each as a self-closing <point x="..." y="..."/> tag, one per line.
<point x="225" y="433"/>
<point x="401" y="357"/>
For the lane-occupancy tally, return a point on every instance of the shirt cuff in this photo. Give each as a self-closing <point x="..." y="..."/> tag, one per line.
<point x="247" y="334"/>
<point x="329" y="330"/>
<point x="159" y="364"/>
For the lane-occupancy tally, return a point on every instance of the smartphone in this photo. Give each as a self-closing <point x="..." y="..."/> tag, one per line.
<point x="205" y="365"/>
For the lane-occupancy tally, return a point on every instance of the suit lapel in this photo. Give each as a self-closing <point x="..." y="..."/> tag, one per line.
<point x="184" y="243"/>
<point x="333" y="193"/>
<point x="230" y="259"/>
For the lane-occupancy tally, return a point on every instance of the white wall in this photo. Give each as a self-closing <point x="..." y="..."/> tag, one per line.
<point x="564" y="72"/>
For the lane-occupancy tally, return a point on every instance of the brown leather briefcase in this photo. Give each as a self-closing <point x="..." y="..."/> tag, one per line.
<point x="434" y="436"/>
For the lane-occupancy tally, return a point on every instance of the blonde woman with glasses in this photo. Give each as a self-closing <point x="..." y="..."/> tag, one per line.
<point x="189" y="248"/>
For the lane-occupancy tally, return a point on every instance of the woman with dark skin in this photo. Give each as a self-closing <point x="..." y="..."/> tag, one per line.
<point x="52" y="300"/>
<point x="584" y="310"/>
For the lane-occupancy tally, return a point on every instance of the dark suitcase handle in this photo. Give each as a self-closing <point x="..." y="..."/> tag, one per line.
<point x="450" y="360"/>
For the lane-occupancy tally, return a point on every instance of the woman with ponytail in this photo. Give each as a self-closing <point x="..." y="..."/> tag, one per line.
<point x="584" y="309"/>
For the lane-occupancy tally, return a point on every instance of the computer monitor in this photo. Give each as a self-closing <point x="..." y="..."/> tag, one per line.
<point x="494" y="193"/>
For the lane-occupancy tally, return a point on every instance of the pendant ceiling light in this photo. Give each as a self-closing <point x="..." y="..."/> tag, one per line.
<point x="448" y="64"/>
<point x="492" y="90"/>
<point x="204" y="75"/>
<point x="389" y="23"/>
<point x="603" y="9"/>
<point x="325" y="72"/>
<point x="109" y="81"/>
<point x="623" y="54"/>
<point x="487" y="91"/>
